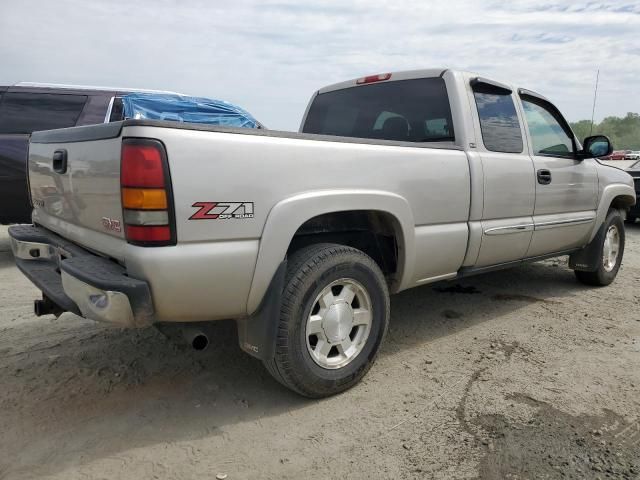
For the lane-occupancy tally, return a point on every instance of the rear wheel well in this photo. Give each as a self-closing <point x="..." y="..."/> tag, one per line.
<point x="373" y="232"/>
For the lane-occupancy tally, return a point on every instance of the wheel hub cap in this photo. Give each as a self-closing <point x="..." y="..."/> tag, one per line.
<point x="339" y="323"/>
<point x="610" y="248"/>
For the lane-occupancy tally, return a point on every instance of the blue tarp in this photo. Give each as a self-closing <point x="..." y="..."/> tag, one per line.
<point x="182" y="108"/>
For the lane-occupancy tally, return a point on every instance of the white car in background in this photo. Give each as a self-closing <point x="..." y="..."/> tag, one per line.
<point x="632" y="155"/>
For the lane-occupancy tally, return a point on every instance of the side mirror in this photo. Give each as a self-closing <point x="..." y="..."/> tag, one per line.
<point x="596" y="146"/>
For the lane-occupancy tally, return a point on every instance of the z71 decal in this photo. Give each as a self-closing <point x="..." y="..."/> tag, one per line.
<point x="222" y="210"/>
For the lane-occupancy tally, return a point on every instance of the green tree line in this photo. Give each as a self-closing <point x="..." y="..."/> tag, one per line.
<point x="624" y="132"/>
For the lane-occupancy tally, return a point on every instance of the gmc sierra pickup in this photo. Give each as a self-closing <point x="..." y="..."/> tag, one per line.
<point x="394" y="181"/>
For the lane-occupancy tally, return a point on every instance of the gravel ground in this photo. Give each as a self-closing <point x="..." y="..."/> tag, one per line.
<point x="517" y="374"/>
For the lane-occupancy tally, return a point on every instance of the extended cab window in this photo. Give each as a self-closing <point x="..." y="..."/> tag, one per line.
<point x="548" y="136"/>
<point x="414" y="110"/>
<point x="30" y="112"/>
<point x="498" y="119"/>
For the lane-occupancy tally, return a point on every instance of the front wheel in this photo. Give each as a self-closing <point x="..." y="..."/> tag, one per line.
<point x="609" y="253"/>
<point x="334" y="316"/>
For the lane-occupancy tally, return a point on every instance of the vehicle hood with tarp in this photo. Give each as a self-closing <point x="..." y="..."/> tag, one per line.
<point x="183" y="108"/>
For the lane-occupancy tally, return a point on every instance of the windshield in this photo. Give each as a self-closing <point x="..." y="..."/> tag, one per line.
<point x="406" y="110"/>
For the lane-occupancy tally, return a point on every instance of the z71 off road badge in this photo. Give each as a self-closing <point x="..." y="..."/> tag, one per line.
<point x="222" y="210"/>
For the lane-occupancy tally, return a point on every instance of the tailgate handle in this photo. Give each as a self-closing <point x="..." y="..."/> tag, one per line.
<point x="60" y="161"/>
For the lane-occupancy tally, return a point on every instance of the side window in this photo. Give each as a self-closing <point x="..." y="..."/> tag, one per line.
<point x="498" y="120"/>
<point x="548" y="136"/>
<point x="29" y="112"/>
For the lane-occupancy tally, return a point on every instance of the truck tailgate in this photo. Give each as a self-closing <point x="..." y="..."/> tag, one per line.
<point x="75" y="185"/>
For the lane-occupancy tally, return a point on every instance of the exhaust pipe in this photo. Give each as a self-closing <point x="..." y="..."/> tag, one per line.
<point x="196" y="338"/>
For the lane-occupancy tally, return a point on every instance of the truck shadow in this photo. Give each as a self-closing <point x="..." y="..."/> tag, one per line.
<point x="71" y="386"/>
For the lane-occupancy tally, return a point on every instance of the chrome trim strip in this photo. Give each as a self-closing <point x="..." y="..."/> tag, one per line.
<point x="437" y="278"/>
<point x="107" y="116"/>
<point x="564" y="223"/>
<point x="90" y="87"/>
<point x="523" y="227"/>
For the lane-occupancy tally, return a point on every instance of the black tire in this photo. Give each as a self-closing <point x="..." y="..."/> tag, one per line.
<point x="309" y="271"/>
<point x="601" y="276"/>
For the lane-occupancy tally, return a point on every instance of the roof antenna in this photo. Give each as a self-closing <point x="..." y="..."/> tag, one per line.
<point x="595" y="94"/>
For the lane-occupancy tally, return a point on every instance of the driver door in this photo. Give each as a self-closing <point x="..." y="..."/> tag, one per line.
<point x="566" y="188"/>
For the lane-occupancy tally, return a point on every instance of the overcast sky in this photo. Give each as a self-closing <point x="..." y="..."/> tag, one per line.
<point x="270" y="56"/>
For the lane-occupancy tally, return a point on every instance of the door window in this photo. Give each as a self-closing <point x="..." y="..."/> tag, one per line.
<point x="30" y="112"/>
<point x="498" y="120"/>
<point x="548" y="134"/>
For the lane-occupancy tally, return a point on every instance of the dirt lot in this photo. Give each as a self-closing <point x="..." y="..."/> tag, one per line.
<point x="517" y="374"/>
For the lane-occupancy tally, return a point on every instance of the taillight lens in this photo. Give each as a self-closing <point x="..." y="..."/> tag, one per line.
<point x="147" y="201"/>
<point x="142" y="165"/>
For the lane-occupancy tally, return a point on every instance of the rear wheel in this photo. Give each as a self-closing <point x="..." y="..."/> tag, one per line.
<point x="609" y="253"/>
<point x="334" y="316"/>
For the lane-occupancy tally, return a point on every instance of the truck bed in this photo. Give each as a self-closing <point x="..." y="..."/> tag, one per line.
<point x="262" y="168"/>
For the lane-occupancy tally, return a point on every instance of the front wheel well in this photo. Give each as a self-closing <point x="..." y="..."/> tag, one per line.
<point x="622" y="202"/>
<point x="374" y="232"/>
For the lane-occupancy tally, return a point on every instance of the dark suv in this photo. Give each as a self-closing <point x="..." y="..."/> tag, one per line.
<point x="634" y="171"/>
<point x="26" y="108"/>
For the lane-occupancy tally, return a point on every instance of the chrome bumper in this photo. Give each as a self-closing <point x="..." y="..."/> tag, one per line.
<point x="79" y="281"/>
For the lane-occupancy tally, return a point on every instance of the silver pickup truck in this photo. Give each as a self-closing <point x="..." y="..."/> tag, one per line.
<point x="394" y="181"/>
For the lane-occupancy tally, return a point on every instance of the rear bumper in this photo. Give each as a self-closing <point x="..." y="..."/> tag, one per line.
<point x="79" y="281"/>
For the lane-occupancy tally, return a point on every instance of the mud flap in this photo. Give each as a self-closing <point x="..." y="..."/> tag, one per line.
<point x="257" y="333"/>
<point x="587" y="259"/>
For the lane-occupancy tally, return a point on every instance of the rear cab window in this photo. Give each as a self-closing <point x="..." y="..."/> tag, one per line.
<point x="415" y="110"/>
<point x="24" y="113"/>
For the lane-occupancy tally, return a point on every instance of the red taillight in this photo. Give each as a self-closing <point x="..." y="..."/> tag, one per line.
<point x="374" y="78"/>
<point x="148" y="233"/>
<point x="142" y="166"/>
<point x="147" y="202"/>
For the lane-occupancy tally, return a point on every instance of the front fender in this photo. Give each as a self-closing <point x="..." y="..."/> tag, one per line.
<point x="609" y="193"/>
<point x="287" y="216"/>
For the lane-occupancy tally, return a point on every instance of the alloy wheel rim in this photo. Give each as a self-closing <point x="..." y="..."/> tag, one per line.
<point x="611" y="248"/>
<point x="339" y="323"/>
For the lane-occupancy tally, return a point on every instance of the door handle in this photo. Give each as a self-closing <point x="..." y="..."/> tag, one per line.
<point x="60" y="161"/>
<point x="544" y="177"/>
